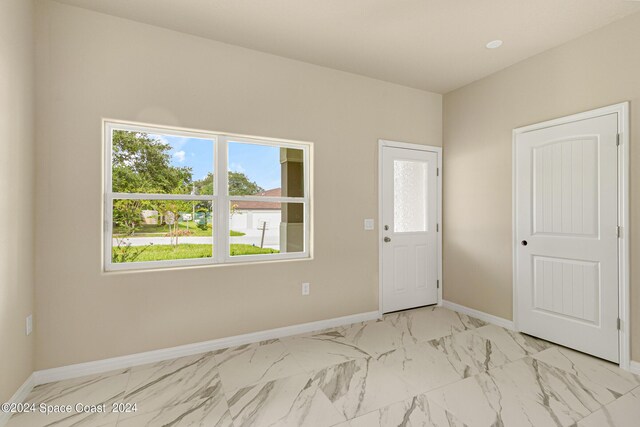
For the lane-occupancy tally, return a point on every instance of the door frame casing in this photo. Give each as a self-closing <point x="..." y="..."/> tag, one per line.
<point x="622" y="111"/>
<point x="382" y="143"/>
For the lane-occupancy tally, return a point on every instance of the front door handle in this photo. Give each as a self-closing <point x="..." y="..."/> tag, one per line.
<point x="387" y="239"/>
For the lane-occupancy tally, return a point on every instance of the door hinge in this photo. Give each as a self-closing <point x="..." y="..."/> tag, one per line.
<point x="437" y="228"/>
<point x="619" y="324"/>
<point x="438" y="283"/>
<point x="618" y="231"/>
<point x="618" y="139"/>
<point x="437" y="171"/>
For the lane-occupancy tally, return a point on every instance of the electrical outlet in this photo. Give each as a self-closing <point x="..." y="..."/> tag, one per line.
<point x="305" y="288"/>
<point x="29" y="328"/>
<point x="368" y="224"/>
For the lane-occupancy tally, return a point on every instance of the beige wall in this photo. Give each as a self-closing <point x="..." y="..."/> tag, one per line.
<point x="93" y="66"/>
<point x="16" y="192"/>
<point x="599" y="69"/>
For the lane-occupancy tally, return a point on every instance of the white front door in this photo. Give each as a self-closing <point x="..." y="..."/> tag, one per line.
<point x="409" y="221"/>
<point x="566" y="234"/>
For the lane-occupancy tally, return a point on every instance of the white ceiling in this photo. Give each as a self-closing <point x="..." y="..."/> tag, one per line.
<point x="436" y="45"/>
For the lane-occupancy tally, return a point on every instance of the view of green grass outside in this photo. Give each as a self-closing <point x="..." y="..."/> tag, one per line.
<point x="190" y="251"/>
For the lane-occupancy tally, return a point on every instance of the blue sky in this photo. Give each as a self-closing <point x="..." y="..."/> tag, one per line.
<point x="259" y="162"/>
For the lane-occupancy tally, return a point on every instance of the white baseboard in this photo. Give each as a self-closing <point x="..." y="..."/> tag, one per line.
<point x="18" y="397"/>
<point x="123" y="362"/>
<point x="634" y="367"/>
<point x="490" y="318"/>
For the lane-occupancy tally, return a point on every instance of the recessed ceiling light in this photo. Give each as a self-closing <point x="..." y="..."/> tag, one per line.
<point x="494" y="44"/>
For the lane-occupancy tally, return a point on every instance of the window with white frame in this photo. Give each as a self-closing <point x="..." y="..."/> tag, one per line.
<point x="179" y="198"/>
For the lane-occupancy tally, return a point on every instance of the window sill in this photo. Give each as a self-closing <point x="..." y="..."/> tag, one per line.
<point x="116" y="269"/>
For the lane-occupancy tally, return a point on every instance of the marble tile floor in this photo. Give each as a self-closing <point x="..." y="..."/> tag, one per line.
<point x="427" y="367"/>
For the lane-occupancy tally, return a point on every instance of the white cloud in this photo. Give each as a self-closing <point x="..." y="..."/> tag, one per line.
<point x="176" y="142"/>
<point x="236" y="167"/>
<point x="179" y="156"/>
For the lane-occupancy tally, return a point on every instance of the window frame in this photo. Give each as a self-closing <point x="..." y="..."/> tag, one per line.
<point x="220" y="198"/>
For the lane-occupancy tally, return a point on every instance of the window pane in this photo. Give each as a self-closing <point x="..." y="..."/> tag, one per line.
<point x="409" y="196"/>
<point x="160" y="230"/>
<point x="161" y="164"/>
<point x="264" y="170"/>
<point x="266" y="228"/>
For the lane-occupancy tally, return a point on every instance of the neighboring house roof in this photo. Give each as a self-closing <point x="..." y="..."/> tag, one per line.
<point x="246" y="205"/>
